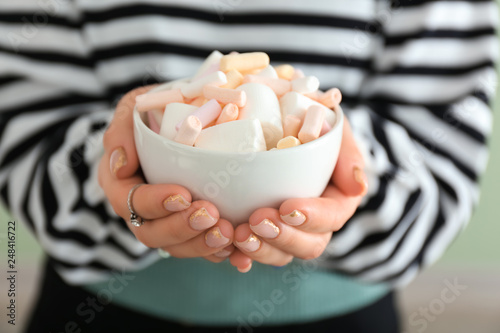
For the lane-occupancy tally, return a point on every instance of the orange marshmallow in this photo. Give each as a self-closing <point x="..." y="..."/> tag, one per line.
<point x="291" y="125"/>
<point x="244" y="61"/>
<point x="199" y="101"/>
<point x="224" y="95"/>
<point x="229" y="113"/>
<point x="331" y="98"/>
<point x="279" y="86"/>
<point x="315" y="95"/>
<point x="288" y="142"/>
<point x="313" y="122"/>
<point x="285" y="71"/>
<point x="158" y="100"/>
<point x="189" y="131"/>
<point x="234" y="79"/>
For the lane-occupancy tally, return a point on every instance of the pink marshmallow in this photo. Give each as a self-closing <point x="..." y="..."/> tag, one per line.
<point x="207" y="113"/>
<point x="189" y="131"/>
<point x="224" y="95"/>
<point x="153" y="124"/>
<point x="313" y="121"/>
<point x="279" y="86"/>
<point x="158" y="100"/>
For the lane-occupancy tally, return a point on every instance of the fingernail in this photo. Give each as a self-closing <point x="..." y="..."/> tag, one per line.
<point x="246" y="269"/>
<point x="266" y="229"/>
<point x="223" y="253"/>
<point x="360" y="178"/>
<point x="214" y="238"/>
<point x="176" y="203"/>
<point x="118" y="159"/>
<point x="201" y="219"/>
<point x="294" y="218"/>
<point x="252" y="244"/>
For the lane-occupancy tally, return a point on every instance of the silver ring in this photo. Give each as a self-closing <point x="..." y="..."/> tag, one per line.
<point x="135" y="219"/>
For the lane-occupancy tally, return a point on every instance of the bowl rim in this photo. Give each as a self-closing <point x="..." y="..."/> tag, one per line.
<point x="309" y="145"/>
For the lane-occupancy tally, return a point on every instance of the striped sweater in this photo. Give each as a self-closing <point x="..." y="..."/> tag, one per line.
<point x="416" y="75"/>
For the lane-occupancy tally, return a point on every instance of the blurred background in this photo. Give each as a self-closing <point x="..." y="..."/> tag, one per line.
<point x="460" y="293"/>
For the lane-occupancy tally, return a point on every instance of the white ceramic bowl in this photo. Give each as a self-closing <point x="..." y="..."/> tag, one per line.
<point x="239" y="183"/>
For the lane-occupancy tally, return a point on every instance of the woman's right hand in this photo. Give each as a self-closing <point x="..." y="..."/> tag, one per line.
<point x="183" y="228"/>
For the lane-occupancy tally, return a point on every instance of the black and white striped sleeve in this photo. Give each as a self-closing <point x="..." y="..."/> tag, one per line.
<point x="52" y="116"/>
<point x="423" y="127"/>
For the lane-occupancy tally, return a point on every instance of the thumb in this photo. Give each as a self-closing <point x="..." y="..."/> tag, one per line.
<point x="119" y="137"/>
<point x="349" y="175"/>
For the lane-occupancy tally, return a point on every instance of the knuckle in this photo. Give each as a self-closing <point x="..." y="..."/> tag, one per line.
<point x="285" y="261"/>
<point x="314" y="252"/>
<point x="145" y="240"/>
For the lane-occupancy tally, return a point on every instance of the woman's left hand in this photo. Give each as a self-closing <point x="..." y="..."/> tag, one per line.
<point x="302" y="228"/>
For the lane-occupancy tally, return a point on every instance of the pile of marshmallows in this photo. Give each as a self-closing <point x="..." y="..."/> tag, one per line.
<point x="240" y="103"/>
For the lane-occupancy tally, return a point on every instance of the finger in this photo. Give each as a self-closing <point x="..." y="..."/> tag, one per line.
<point x="349" y="176"/>
<point x="241" y="261"/>
<point x="325" y="214"/>
<point x="119" y="139"/>
<point x="148" y="201"/>
<point x="178" y="227"/>
<point x="266" y="223"/>
<point x="263" y="252"/>
<point x="205" y="244"/>
<point x="221" y="255"/>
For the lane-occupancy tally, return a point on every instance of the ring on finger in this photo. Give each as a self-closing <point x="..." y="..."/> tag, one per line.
<point x="135" y="219"/>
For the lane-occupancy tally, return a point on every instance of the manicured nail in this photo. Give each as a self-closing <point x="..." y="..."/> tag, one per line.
<point x="266" y="229"/>
<point x="201" y="219"/>
<point x="252" y="244"/>
<point x="360" y="178"/>
<point x="214" y="238"/>
<point x="223" y="253"/>
<point x="246" y="269"/>
<point x="176" y="203"/>
<point x="118" y="159"/>
<point x="294" y="218"/>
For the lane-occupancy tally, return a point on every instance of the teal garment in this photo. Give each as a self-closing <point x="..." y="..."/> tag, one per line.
<point x="198" y="292"/>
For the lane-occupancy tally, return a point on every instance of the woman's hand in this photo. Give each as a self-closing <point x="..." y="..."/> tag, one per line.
<point x="302" y="228"/>
<point x="173" y="223"/>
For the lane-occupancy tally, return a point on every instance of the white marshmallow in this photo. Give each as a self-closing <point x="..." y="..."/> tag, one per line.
<point x="297" y="104"/>
<point x="269" y="72"/>
<point x="174" y="113"/>
<point x="195" y="88"/>
<point x="211" y="60"/>
<point x="234" y="136"/>
<point x="263" y="104"/>
<point x="305" y="85"/>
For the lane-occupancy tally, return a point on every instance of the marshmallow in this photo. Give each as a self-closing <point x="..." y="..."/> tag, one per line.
<point x="158" y="100"/>
<point x="263" y="104"/>
<point x="234" y="79"/>
<point x="305" y="85"/>
<point x="225" y="96"/>
<point x="244" y="61"/>
<point x="297" y="104"/>
<point x="174" y="113"/>
<point x="288" y="142"/>
<point x="210" y="62"/>
<point x="206" y="113"/>
<point x="279" y="86"/>
<point x="269" y="72"/>
<point x="331" y="98"/>
<point x="291" y="126"/>
<point x="325" y="128"/>
<point x="298" y="74"/>
<point x="285" y="71"/>
<point x="195" y="88"/>
<point x="229" y="113"/>
<point x="313" y="122"/>
<point x="198" y="101"/>
<point x="189" y="131"/>
<point x="234" y="136"/>
<point x="153" y="122"/>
